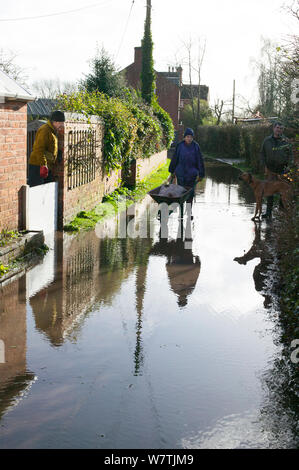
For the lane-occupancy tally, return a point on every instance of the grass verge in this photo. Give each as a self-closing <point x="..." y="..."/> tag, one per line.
<point x="117" y="201"/>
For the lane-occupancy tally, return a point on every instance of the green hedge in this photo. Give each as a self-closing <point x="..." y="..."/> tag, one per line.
<point x="132" y="130"/>
<point x="233" y="141"/>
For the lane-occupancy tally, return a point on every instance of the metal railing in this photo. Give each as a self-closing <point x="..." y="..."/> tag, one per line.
<point x="81" y="158"/>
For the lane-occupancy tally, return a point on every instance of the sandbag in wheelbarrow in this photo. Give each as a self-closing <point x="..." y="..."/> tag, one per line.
<point x="170" y="194"/>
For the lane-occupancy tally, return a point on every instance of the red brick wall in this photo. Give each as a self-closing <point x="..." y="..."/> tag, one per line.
<point x="133" y="71"/>
<point x="86" y="196"/>
<point x="143" y="167"/>
<point x="13" y="330"/>
<point x="13" y="172"/>
<point x="169" y="98"/>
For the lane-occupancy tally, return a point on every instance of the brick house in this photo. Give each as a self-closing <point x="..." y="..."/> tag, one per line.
<point x="188" y="90"/>
<point x="13" y="145"/>
<point x="171" y="92"/>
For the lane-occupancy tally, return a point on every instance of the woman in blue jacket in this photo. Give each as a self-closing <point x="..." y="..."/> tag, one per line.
<point x="187" y="163"/>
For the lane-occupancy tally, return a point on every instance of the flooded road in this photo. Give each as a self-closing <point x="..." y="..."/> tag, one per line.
<point x="145" y="343"/>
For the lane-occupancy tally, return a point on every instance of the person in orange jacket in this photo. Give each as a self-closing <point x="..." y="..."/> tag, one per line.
<point x="45" y="150"/>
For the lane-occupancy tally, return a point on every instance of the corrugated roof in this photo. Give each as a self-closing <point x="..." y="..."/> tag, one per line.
<point x="10" y="89"/>
<point x="41" y="107"/>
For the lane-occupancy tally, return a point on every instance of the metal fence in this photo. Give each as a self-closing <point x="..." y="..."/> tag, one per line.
<point x="79" y="272"/>
<point x="82" y="160"/>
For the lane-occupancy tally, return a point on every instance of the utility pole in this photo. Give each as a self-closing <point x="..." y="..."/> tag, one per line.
<point x="234" y="97"/>
<point x="148" y="7"/>
<point x="148" y="76"/>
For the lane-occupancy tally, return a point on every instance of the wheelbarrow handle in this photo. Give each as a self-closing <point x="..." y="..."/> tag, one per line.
<point x="170" y="180"/>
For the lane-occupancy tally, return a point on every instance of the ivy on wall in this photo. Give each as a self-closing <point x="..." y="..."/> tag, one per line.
<point x="131" y="129"/>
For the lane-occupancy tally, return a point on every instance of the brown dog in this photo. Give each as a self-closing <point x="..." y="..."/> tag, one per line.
<point x="267" y="188"/>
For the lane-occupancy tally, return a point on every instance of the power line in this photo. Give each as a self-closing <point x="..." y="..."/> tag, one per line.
<point x="53" y="14"/>
<point x="122" y="39"/>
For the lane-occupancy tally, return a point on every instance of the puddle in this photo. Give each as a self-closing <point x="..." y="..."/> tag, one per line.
<point x="156" y="342"/>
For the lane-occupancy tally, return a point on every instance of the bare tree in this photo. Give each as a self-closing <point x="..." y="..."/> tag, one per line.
<point x="270" y="85"/>
<point x="11" y="68"/>
<point x="220" y="109"/>
<point x="290" y="48"/>
<point x="292" y="8"/>
<point x="50" y="88"/>
<point x="195" y="70"/>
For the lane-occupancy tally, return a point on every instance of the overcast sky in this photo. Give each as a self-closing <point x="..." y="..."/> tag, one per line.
<point x="61" y="45"/>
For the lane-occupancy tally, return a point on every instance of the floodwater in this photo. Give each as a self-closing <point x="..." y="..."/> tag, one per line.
<point x="148" y="342"/>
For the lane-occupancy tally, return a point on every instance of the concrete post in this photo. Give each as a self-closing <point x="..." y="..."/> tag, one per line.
<point x="24" y="208"/>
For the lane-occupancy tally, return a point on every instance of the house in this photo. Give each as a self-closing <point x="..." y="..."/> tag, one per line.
<point x="187" y="91"/>
<point x="13" y="148"/>
<point x="172" y="94"/>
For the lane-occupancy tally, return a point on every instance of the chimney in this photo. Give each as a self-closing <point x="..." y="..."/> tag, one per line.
<point x="138" y="56"/>
<point x="180" y="72"/>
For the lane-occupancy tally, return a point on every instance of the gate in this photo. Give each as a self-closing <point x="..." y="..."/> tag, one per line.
<point x="42" y="214"/>
<point x="42" y="208"/>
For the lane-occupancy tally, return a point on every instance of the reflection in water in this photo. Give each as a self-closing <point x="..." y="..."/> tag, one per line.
<point x="116" y="376"/>
<point x="140" y="292"/>
<point x="261" y="248"/>
<point x="238" y="431"/>
<point x="117" y="254"/>
<point x="57" y="306"/>
<point x="15" y="379"/>
<point x="90" y="272"/>
<point x="280" y="410"/>
<point x="182" y="266"/>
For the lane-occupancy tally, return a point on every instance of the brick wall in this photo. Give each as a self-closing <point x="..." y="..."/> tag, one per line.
<point x="86" y="196"/>
<point x="13" y="329"/>
<point x="133" y="71"/>
<point x="143" y="167"/>
<point x="13" y="173"/>
<point x="169" y="98"/>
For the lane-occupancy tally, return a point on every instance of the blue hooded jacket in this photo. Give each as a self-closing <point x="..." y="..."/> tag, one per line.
<point x="187" y="163"/>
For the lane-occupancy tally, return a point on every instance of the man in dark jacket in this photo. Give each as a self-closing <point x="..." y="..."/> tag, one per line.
<point x="187" y="163"/>
<point x="276" y="158"/>
<point x="45" y="150"/>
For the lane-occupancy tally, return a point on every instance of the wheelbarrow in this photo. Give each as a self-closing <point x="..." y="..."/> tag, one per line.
<point x="154" y="193"/>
